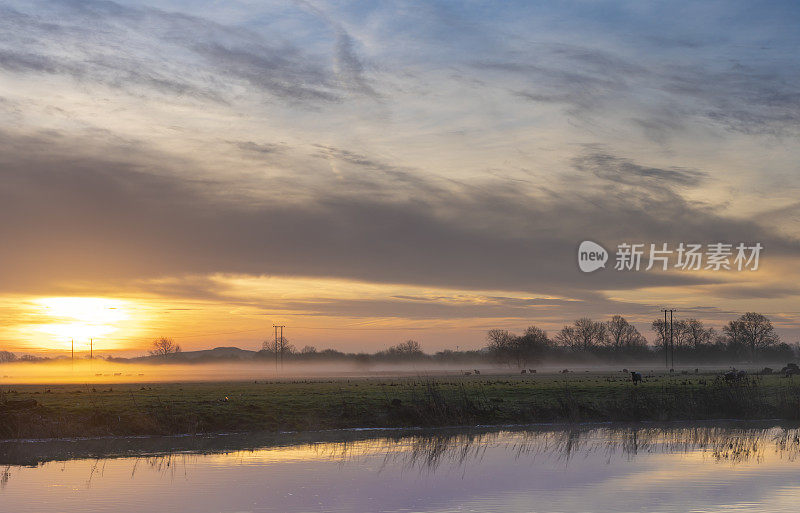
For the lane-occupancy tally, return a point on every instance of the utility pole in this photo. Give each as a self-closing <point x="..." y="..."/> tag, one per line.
<point x="91" y="349"/>
<point x="671" y="347"/>
<point x="664" y="340"/>
<point x="671" y="340"/>
<point x="278" y="345"/>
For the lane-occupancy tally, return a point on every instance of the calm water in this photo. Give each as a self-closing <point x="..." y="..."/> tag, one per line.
<point x="694" y="468"/>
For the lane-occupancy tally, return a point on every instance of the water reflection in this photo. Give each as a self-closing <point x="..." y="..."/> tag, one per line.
<point x="576" y="468"/>
<point x="428" y="451"/>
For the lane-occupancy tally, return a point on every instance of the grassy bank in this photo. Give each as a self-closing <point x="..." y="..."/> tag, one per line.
<point x="37" y="411"/>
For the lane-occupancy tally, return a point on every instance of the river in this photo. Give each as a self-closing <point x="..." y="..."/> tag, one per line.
<point x="590" y="468"/>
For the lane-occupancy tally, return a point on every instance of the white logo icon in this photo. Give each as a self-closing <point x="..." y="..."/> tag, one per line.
<point x="591" y="256"/>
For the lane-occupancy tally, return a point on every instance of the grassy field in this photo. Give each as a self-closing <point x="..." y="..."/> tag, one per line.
<point x="172" y="408"/>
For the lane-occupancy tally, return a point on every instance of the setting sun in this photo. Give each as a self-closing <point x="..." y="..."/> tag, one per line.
<point x="80" y="317"/>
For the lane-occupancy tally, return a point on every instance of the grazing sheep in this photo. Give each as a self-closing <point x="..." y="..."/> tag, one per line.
<point x="790" y="370"/>
<point x="565" y="371"/>
<point x="467" y="373"/>
<point x="734" y="376"/>
<point x="477" y="372"/>
<point x="636" y="377"/>
<point x="531" y="371"/>
<point x="523" y="371"/>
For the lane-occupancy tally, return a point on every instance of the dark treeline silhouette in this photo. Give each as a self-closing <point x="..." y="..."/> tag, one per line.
<point x="750" y="338"/>
<point x="409" y="351"/>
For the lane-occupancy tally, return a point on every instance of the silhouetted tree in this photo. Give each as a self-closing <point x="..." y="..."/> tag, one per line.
<point x="281" y="345"/>
<point x="584" y="335"/>
<point x="623" y="335"/>
<point x="500" y="345"/>
<point x="753" y="330"/>
<point x="7" y="356"/>
<point x="661" y="329"/>
<point x="531" y="346"/>
<point x="680" y="334"/>
<point x="32" y="358"/>
<point x="408" y="350"/>
<point x="697" y="335"/>
<point x="164" y="346"/>
<point x="409" y="347"/>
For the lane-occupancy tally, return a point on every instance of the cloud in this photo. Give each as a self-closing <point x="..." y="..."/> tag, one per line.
<point x="117" y="45"/>
<point x="257" y="150"/>
<point x="271" y="71"/>
<point x="80" y="215"/>
<point x="349" y="66"/>
<point x="460" y="148"/>
<point x="616" y="169"/>
<point x="661" y="95"/>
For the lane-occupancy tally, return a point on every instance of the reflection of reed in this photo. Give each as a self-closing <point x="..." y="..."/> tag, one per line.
<point x="428" y="451"/>
<point x="4" y="476"/>
<point x="166" y="464"/>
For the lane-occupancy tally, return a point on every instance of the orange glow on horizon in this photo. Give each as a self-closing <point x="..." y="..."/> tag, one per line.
<point x="79" y="318"/>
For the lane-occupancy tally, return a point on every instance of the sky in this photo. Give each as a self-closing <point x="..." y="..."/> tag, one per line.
<point x="369" y="172"/>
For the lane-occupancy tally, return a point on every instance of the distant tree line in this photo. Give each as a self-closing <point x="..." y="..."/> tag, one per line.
<point x="751" y="337"/>
<point x="8" y="357"/>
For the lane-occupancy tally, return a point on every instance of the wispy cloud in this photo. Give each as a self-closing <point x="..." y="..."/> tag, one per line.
<point x="458" y="147"/>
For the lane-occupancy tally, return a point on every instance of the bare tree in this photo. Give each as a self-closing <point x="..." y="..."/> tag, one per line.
<point x="676" y="333"/>
<point x="408" y="350"/>
<point x="500" y="345"/>
<point x="583" y="335"/>
<point x="661" y="330"/>
<point x="531" y="346"/>
<point x="697" y="334"/>
<point x="164" y="346"/>
<point x="7" y="356"/>
<point x="753" y="330"/>
<point x="409" y="347"/>
<point x="680" y="334"/>
<point x="270" y="346"/>
<point x="309" y="350"/>
<point x="281" y="345"/>
<point x="623" y="335"/>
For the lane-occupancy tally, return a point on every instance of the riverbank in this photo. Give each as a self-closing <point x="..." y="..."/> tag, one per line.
<point x="39" y="411"/>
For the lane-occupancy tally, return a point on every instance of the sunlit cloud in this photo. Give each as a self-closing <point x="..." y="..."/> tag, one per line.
<point x="431" y="168"/>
